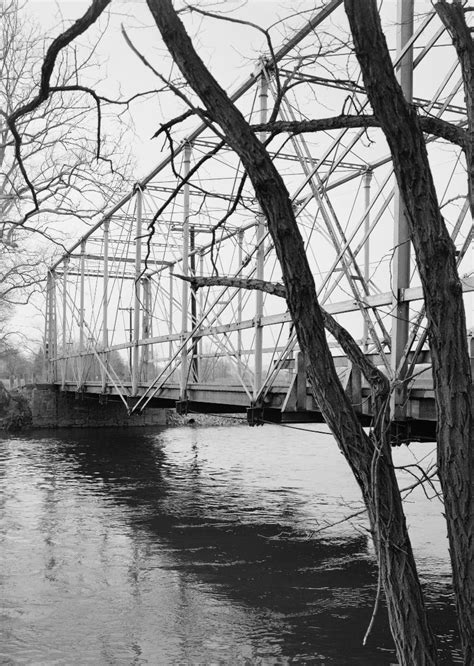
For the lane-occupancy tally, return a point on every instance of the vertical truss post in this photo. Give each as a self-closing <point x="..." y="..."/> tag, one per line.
<point x="301" y="382"/>
<point x="367" y="181"/>
<point x="64" y="328"/>
<point x="50" y="329"/>
<point x="240" y="245"/>
<point x="471" y="351"/>
<point x="81" y="360"/>
<point x="200" y="311"/>
<point x="146" y="326"/>
<point x="260" y="255"/>
<point x="192" y="267"/>
<point x="259" y="274"/>
<point x="170" y="313"/>
<point x="137" y="288"/>
<point x="185" y="286"/>
<point x="338" y="238"/>
<point x="401" y="259"/>
<point x="105" y="306"/>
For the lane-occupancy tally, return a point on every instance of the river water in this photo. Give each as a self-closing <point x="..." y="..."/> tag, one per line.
<point x="197" y="545"/>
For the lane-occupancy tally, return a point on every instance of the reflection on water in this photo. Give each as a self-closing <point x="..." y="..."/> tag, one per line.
<point x="195" y="545"/>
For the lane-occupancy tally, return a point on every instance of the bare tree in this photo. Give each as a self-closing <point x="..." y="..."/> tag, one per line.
<point x="58" y="170"/>
<point x="55" y="162"/>
<point x="368" y="455"/>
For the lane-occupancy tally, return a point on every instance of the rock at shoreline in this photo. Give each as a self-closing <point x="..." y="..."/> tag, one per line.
<point x="174" y="419"/>
<point x="15" y="412"/>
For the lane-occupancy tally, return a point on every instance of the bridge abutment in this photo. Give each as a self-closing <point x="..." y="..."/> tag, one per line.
<point x="53" y="408"/>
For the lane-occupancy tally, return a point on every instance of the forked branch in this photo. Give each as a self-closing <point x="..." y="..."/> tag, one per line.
<point x="64" y="39"/>
<point x="378" y="382"/>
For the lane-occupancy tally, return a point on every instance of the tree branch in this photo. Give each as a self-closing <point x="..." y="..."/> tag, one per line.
<point x="378" y="382"/>
<point x="76" y="29"/>
<point x="95" y="97"/>
<point x="435" y="126"/>
<point x="64" y="39"/>
<point x="268" y="39"/>
<point x="452" y="14"/>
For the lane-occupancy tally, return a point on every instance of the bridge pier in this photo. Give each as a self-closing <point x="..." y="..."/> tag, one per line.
<point x="54" y="408"/>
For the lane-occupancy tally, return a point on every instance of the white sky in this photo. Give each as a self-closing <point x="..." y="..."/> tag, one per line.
<point x="230" y="50"/>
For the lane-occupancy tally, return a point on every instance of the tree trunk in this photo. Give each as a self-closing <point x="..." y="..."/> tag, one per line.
<point x="435" y="258"/>
<point x="370" y="461"/>
<point x="453" y="16"/>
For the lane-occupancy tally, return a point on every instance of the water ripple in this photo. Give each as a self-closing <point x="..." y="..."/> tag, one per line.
<point x="188" y="545"/>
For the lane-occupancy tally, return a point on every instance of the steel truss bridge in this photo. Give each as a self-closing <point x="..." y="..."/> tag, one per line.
<point x="121" y="323"/>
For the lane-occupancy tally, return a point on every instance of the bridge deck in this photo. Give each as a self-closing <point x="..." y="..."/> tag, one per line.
<point x="283" y="403"/>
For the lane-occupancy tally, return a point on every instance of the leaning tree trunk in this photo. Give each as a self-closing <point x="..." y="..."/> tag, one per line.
<point x="442" y="289"/>
<point x="370" y="461"/>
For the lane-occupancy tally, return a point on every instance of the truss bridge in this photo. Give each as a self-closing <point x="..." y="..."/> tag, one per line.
<point x="122" y="324"/>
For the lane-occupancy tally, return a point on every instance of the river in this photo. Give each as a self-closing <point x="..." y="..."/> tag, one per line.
<point x="198" y="545"/>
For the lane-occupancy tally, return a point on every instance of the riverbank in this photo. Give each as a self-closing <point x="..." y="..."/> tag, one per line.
<point x="204" y="420"/>
<point x="39" y="407"/>
<point x="15" y="412"/>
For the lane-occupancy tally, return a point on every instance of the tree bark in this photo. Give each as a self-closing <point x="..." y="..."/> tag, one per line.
<point x="436" y="262"/>
<point x="453" y="16"/>
<point x="377" y="381"/>
<point x="369" y="460"/>
<point x="435" y="126"/>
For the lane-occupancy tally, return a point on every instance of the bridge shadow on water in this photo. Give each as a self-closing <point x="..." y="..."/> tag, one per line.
<point x="315" y="592"/>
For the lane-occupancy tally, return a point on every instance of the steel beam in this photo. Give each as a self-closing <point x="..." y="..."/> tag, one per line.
<point x="64" y="363"/>
<point x="367" y="180"/>
<point x="194" y="374"/>
<point x="185" y="268"/>
<point x="401" y="241"/>
<point x="51" y="332"/>
<point x="146" y="328"/>
<point x="260" y="257"/>
<point x="170" y="312"/>
<point x="137" y="290"/>
<point x="105" y="304"/>
<point x="81" y="367"/>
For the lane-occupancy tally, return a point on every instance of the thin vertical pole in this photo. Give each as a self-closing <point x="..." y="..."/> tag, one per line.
<point x="146" y="325"/>
<point x="192" y="266"/>
<point x="52" y="329"/>
<point x="105" y="305"/>
<point x="200" y="303"/>
<point x="137" y="285"/>
<point x="260" y="256"/>
<point x="64" y="330"/>
<point x="81" y="314"/>
<point x="171" y="311"/>
<point x="46" y="334"/>
<point x="240" y="244"/>
<point x="367" y="181"/>
<point x="401" y="259"/>
<point x="259" y="274"/>
<point x="185" y="286"/>
<point x="51" y="332"/>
